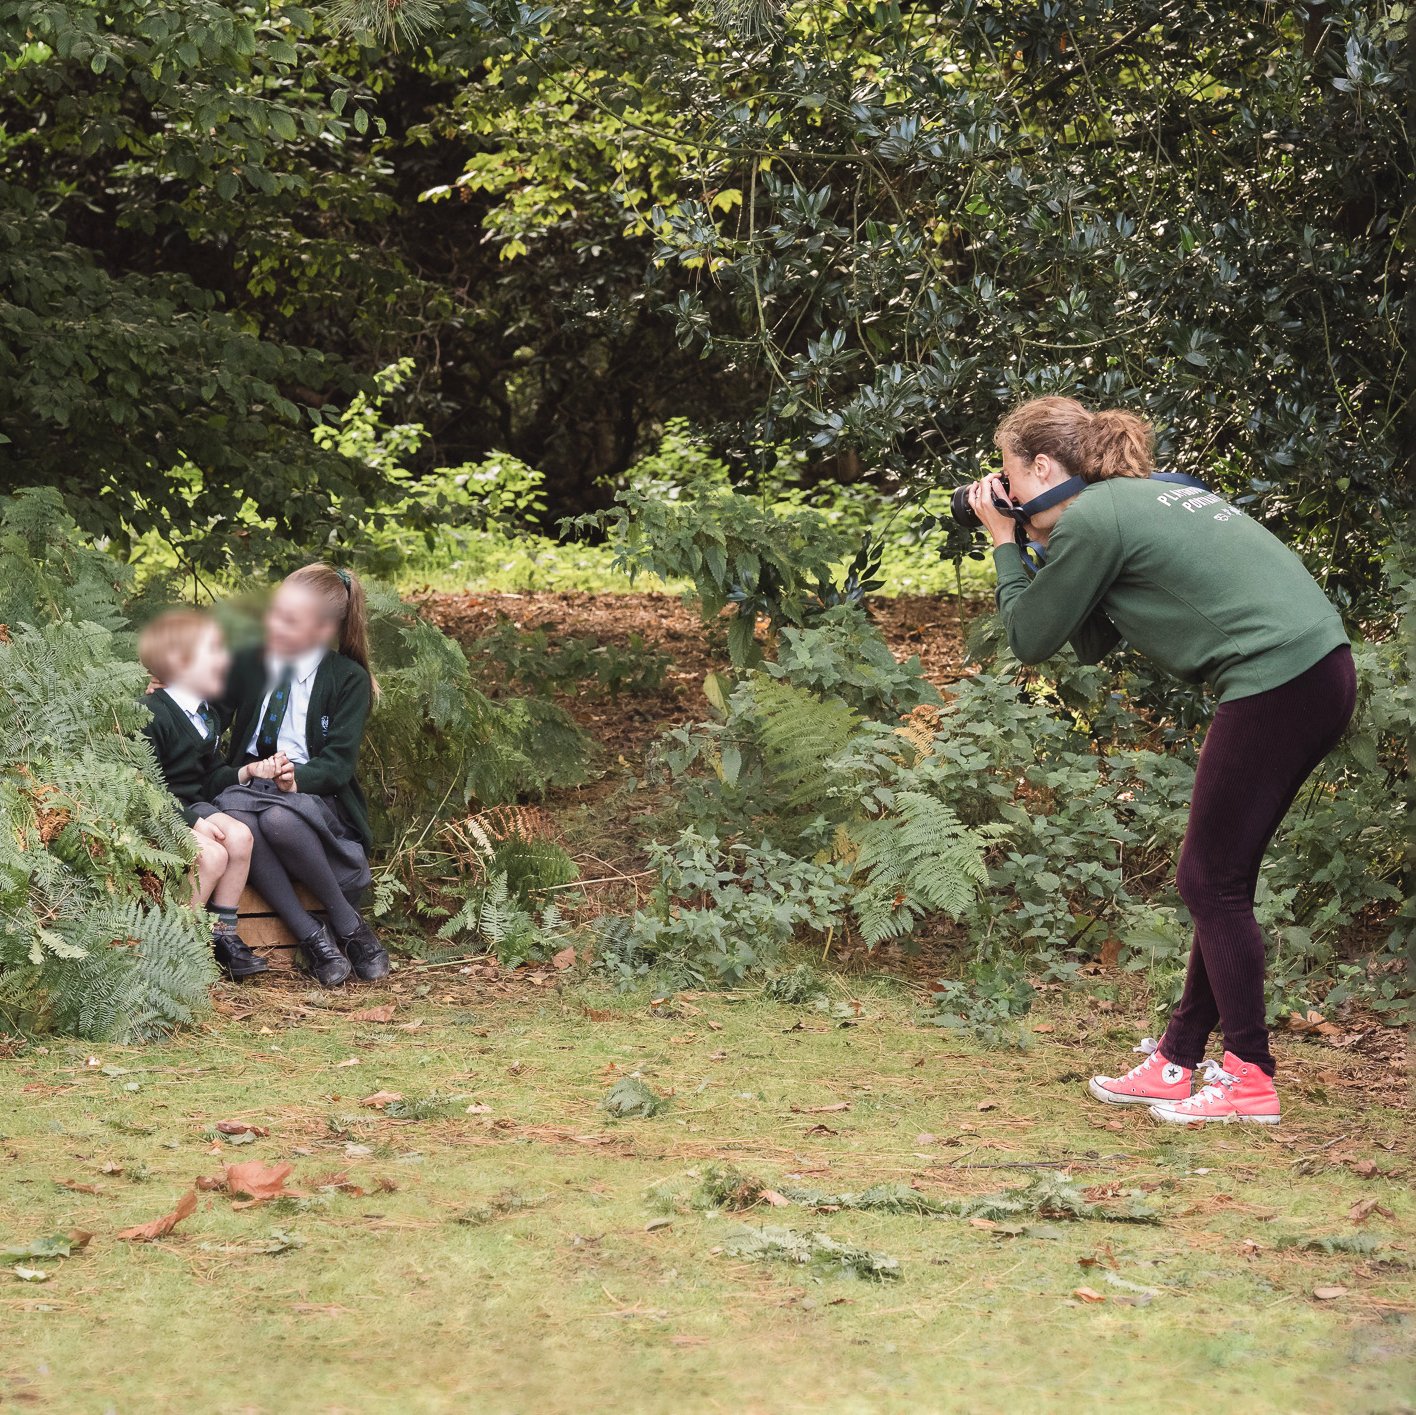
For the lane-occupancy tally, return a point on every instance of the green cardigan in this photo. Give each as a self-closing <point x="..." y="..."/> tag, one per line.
<point x="188" y="760"/>
<point x="1180" y="575"/>
<point x="334" y="729"/>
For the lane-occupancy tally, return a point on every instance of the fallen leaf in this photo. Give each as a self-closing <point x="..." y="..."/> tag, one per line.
<point x="257" y="1181"/>
<point x="564" y="959"/>
<point x="987" y="1224"/>
<point x="379" y="1099"/>
<point x="821" y="1109"/>
<point x="988" y="1105"/>
<point x="819" y="1129"/>
<point x="75" y="1187"/>
<point x="478" y="1110"/>
<point x="30" y="1274"/>
<point x="1364" y="1169"/>
<point x="926" y="1139"/>
<point x="655" y="1224"/>
<point x="161" y="1227"/>
<point x="241" y="1127"/>
<point x="374" y="1014"/>
<point x="109" y="1167"/>
<point x="1329" y="1294"/>
<point x="714" y="1026"/>
<point x="771" y="1196"/>
<point x="207" y="1183"/>
<point x="348" y="1061"/>
<point x="1363" y="1209"/>
<point x="1044" y="1027"/>
<point x="1087" y="1294"/>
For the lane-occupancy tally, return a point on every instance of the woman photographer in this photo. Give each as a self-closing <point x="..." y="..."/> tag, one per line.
<point x="1210" y="596"/>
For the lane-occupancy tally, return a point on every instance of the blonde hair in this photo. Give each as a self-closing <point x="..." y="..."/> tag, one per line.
<point x="344" y="598"/>
<point x="1093" y="446"/>
<point x="168" y="641"/>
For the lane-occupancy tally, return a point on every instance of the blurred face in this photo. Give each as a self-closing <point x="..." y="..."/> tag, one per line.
<point x="297" y="621"/>
<point x="1031" y="476"/>
<point x="205" y="672"/>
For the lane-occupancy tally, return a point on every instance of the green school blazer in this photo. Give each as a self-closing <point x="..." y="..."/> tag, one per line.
<point x="188" y="760"/>
<point x="334" y="729"/>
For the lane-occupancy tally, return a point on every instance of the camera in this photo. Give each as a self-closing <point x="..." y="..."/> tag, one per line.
<point x="963" y="513"/>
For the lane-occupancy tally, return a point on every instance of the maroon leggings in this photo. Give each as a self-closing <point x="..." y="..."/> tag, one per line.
<point x="1258" y="752"/>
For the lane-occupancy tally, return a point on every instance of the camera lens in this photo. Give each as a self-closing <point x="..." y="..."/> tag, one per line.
<point x="960" y="509"/>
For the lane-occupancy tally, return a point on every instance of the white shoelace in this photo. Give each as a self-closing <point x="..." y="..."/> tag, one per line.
<point x="1216" y="1080"/>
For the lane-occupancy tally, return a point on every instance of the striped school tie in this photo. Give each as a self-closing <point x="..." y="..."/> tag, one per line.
<point x="279" y="700"/>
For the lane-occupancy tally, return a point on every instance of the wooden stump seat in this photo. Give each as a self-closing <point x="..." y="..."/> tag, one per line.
<point x="263" y="930"/>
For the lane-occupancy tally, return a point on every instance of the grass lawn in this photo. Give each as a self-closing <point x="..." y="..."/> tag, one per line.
<point x="508" y="1246"/>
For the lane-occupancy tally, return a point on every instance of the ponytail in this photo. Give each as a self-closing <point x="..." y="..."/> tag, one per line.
<point x="344" y="597"/>
<point x="1094" y="446"/>
<point x="1116" y="444"/>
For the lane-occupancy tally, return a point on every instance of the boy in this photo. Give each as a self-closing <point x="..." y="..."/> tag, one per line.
<point x="185" y="652"/>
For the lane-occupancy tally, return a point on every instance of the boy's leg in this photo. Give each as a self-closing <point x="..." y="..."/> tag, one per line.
<point x="236" y="960"/>
<point x="237" y="844"/>
<point x="210" y="864"/>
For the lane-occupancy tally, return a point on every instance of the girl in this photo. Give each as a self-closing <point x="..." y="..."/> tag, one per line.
<point x="1211" y="596"/>
<point x="297" y="708"/>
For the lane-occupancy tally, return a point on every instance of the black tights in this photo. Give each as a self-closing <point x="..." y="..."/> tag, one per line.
<point x="285" y="848"/>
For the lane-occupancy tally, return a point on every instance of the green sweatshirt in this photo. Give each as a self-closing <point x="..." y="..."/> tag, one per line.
<point x="1180" y="575"/>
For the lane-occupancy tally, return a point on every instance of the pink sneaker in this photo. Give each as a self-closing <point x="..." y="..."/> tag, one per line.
<point x="1235" y="1091"/>
<point x="1154" y="1080"/>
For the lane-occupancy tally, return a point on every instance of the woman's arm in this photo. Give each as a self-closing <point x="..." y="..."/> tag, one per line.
<point x="333" y="767"/>
<point x="1096" y="638"/>
<point x="1060" y="602"/>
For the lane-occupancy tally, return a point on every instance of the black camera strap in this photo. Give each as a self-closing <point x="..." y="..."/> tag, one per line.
<point x="1035" y="554"/>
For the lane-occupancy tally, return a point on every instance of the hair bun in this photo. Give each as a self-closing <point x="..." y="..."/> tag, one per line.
<point x="1116" y="443"/>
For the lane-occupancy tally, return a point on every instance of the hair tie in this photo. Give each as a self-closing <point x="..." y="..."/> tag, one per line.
<point x="344" y="580"/>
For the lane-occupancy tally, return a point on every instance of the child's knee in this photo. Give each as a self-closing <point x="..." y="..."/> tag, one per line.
<point x="238" y="838"/>
<point x="212" y="857"/>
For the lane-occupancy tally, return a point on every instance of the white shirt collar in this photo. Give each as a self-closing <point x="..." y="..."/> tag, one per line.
<point x="188" y="701"/>
<point x="302" y="668"/>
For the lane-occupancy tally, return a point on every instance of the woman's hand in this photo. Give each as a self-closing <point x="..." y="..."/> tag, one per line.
<point x="1000" y="527"/>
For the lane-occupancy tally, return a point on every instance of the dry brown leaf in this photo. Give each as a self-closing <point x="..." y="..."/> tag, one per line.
<point x="771" y="1196"/>
<point x="161" y="1227"/>
<point x="988" y="1105"/>
<point x="821" y="1109"/>
<point x="1363" y="1209"/>
<point x="564" y="959"/>
<point x="241" y="1127"/>
<point x="1087" y="1294"/>
<point x="1329" y="1294"/>
<point x="209" y="1182"/>
<point x="379" y="1099"/>
<point x="374" y="1014"/>
<point x="74" y="1187"/>
<point x="256" y="1180"/>
<point x="1364" y="1169"/>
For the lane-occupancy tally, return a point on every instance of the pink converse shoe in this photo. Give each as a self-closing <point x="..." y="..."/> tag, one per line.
<point x="1154" y="1080"/>
<point x="1237" y="1090"/>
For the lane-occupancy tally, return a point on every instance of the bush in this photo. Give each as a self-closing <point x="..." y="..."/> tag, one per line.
<point x="96" y="938"/>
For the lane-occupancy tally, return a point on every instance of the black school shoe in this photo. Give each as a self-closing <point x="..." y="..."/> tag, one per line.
<point x="320" y="955"/>
<point x="366" y="953"/>
<point x="234" y="956"/>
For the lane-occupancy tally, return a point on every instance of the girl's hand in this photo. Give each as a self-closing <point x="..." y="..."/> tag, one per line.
<point x="259" y="771"/>
<point x="285" y="775"/>
<point x="981" y="494"/>
<point x="209" y="829"/>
